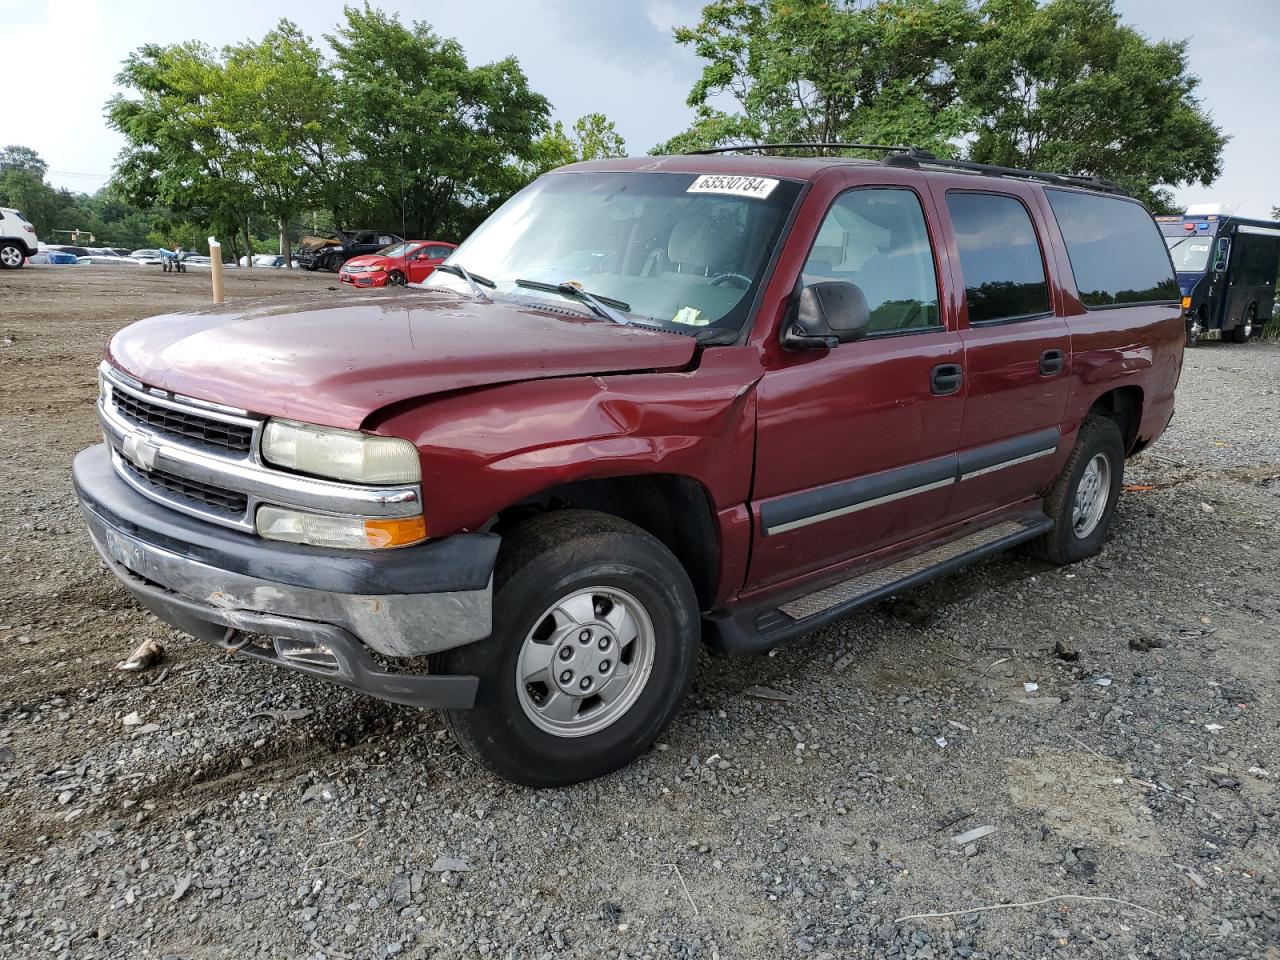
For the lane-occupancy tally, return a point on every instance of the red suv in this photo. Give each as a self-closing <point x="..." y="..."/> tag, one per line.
<point x="648" y="403"/>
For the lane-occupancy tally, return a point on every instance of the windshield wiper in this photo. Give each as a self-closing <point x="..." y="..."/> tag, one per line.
<point x="605" y="307"/>
<point x="474" y="279"/>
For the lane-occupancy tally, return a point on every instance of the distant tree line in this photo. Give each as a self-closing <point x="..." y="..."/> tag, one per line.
<point x="394" y="129"/>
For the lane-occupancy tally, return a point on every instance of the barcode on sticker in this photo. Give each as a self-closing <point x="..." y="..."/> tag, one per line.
<point x="758" y="187"/>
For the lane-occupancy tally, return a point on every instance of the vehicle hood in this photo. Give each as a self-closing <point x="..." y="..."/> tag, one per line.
<point x="369" y="260"/>
<point x="315" y="243"/>
<point x="1187" y="282"/>
<point x="336" y="363"/>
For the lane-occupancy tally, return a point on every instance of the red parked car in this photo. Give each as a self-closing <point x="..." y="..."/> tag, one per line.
<point x="648" y="403"/>
<point x="410" y="261"/>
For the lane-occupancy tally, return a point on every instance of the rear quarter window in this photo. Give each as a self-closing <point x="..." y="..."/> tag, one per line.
<point x="1118" y="256"/>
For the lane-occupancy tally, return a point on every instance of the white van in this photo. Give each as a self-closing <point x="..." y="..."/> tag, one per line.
<point x="17" y="239"/>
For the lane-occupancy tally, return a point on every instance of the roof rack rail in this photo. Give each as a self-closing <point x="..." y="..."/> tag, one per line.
<point x="762" y="147"/>
<point x="914" y="157"/>
<point x="906" y="156"/>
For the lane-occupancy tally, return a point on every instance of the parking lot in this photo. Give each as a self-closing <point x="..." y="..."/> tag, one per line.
<point x="1116" y="725"/>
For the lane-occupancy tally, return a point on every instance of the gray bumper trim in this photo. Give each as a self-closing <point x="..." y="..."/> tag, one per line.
<point x="398" y="625"/>
<point x="317" y="649"/>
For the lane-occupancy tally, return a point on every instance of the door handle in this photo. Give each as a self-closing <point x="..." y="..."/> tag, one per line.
<point x="946" y="378"/>
<point x="1051" y="363"/>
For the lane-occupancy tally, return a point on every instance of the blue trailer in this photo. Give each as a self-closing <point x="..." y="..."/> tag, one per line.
<point x="1227" y="268"/>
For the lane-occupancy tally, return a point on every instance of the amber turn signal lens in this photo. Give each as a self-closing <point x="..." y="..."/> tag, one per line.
<point x="395" y="533"/>
<point x="347" y="533"/>
<point x="1186" y="303"/>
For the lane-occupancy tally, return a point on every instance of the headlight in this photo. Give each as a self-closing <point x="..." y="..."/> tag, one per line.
<point x="340" y="454"/>
<point x="347" y="533"/>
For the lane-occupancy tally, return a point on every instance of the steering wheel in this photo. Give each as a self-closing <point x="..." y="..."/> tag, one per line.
<point x="743" y="281"/>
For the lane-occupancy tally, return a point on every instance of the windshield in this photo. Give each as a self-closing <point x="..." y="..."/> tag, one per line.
<point x="678" y="251"/>
<point x="1190" y="252"/>
<point x="395" y="250"/>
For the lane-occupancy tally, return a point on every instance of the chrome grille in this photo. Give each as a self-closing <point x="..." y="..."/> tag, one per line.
<point x="182" y="423"/>
<point x="228" y="502"/>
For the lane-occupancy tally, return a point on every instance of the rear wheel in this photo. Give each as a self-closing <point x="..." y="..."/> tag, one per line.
<point x="1083" y="498"/>
<point x="593" y="649"/>
<point x="11" y="255"/>
<point x="1243" y="330"/>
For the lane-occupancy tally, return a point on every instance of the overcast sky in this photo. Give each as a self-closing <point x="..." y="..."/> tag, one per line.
<point x="612" y="56"/>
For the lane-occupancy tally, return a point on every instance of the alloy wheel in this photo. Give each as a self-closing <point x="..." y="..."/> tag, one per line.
<point x="1092" y="492"/>
<point x="585" y="662"/>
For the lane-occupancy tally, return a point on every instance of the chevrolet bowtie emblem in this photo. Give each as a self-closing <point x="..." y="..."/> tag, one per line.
<point x="141" y="452"/>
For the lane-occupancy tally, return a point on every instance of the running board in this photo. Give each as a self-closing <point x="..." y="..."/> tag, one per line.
<point x="755" y="630"/>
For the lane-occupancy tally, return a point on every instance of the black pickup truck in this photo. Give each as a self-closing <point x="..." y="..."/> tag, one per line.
<point x="331" y="251"/>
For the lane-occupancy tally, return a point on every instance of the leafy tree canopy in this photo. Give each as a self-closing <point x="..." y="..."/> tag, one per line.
<point x="395" y="130"/>
<point x="828" y="70"/>
<point x="594" y="137"/>
<point x="1059" y="85"/>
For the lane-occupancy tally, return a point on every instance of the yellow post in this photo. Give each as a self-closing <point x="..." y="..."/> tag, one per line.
<point x="215" y="269"/>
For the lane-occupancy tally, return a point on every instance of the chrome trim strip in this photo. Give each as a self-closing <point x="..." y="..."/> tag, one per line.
<point x="1009" y="463"/>
<point x="855" y="507"/>
<point x="174" y="401"/>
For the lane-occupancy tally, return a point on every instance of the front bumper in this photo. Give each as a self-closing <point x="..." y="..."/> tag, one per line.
<point x="363" y="279"/>
<point x="324" y="610"/>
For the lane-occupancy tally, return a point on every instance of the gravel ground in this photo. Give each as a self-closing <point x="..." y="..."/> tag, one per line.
<point x="801" y="804"/>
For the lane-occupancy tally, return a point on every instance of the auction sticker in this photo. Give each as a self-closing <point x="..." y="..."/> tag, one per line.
<point x="758" y="187"/>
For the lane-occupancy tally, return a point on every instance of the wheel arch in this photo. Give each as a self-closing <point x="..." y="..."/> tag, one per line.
<point x="1123" y="405"/>
<point x="676" y="509"/>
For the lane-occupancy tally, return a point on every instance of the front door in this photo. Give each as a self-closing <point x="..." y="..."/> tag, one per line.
<point x="1017" y="350"/>
<point x="856" y="445"/>
<point x="424" y="260"/>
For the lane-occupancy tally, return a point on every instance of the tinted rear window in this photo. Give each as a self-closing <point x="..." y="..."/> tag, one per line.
<point x="1000" y="257"/>
<point x="1117" y="253"/>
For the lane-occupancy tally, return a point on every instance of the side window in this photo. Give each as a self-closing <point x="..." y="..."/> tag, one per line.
<point x="1000" y="257"/>
<point x="386" y="240"/>
<point x="1117" y="253"/>
<point x="439" y="252"/>
<point x="876" y="239"/>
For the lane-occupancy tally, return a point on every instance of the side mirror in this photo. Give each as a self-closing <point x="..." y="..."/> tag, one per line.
<point x="1220" y="266"/>
<point x="827" y="314"/>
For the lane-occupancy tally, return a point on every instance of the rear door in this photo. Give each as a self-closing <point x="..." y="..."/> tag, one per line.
<point x="1017" y="347"/>
<point x="856" y="445"/>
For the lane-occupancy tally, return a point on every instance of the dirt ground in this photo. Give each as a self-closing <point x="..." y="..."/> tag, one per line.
<point x="804" y="804"/>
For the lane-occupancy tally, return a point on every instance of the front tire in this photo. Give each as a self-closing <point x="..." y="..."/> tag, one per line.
<point x="1195" y="330"/>
<point x="12" y="256"/>
<point x="594" y="645"/>
<point x="395" y="279"/>
<point x="1083" y="499"/>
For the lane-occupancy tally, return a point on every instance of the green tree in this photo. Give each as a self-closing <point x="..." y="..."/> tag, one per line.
<point x="14" y="157"/>
<point x="1064" y="86"/>
<point x="594" y="137"/>
<point x="178" y="154"/>
<point x="275" y="102"/>
<point x="434" y="142"/>
<point x="828" y="70"/>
